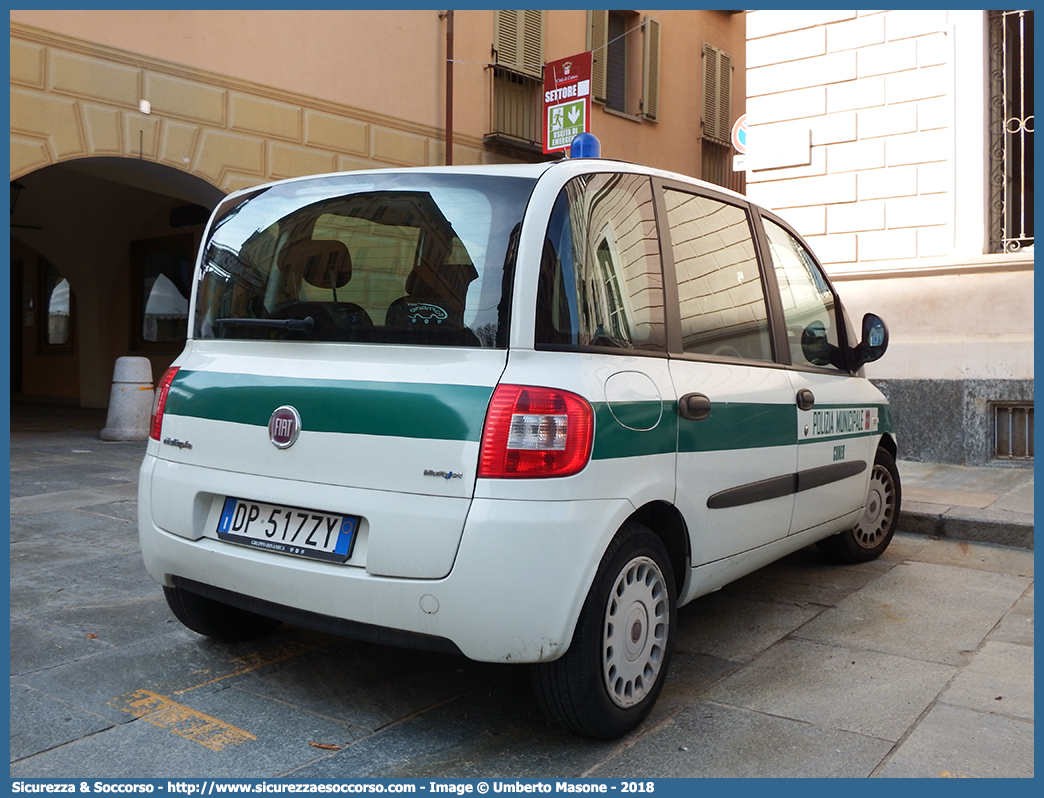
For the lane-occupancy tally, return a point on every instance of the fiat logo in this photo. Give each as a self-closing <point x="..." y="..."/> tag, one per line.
<point x="284" y="427"/>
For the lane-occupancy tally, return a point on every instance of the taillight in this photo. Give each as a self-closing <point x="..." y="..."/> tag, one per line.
<point x="160" y="403"/>
<point x="535" y="432"/>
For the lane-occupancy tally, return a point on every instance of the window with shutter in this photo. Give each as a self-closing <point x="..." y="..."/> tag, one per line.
<point x="717" y="94"/>
<point x="518" y="74"/>
<point x="716" y="144"/>
<point x="621" y="65"/>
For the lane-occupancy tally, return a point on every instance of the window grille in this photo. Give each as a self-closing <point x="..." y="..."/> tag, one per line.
<point x="717" y="166"/>
<point x="1013" y="432"/>
<point x="1011" y="130"/>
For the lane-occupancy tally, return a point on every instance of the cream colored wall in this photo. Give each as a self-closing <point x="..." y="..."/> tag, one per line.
<point x="887" y="110"/>
<point x="954" y="325"/>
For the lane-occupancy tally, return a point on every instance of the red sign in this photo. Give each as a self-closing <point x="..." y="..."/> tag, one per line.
<point x="567" y="101"/>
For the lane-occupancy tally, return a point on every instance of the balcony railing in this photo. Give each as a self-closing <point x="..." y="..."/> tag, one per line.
<point x="515" y="109"/>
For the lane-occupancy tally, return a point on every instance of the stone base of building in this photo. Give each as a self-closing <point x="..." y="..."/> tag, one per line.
<point x="963" y="422"/>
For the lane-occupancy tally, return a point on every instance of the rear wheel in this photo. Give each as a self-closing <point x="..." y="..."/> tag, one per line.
<point x="215" y="619"/>
<point x="610" y="677"/>
<point x="872" y="533"/>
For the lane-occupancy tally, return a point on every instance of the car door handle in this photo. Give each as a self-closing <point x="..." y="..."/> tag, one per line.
<point x="694" y="406"/>
<point x="805" y="399"/>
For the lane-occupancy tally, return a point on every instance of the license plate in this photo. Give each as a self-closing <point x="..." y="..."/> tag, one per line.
<point x="288" y="530"/>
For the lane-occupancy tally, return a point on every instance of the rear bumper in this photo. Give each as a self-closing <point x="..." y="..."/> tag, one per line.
<point x="515" y="590"/>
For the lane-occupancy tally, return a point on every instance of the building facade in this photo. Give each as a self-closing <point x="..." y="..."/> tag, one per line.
<point x="127" y="127"/>
<point x="900" y="144"/>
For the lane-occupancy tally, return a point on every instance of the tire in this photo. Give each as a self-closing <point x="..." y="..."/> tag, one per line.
<point x="217" y="620"/>
<point x="611" y="675"/>
<point x="872" y="533"/>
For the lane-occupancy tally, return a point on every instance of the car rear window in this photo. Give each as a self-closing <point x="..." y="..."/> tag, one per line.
<point x="400" y="258"/>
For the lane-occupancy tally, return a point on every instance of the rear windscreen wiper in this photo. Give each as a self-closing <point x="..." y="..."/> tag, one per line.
<point x="307" y="324"/>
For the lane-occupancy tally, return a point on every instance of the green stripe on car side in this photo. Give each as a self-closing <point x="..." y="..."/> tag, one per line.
<point x="427" y="411"/>
<point x="740" y="425"/>
<point x="886" y="423"/>
<point x="613" y="440"/>
<point x="730" y="425"/>
<point x="457" y="412"/>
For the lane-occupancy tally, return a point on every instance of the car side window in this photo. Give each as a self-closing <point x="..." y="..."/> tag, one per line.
<point x="809" y="307"/>
<point x="601" y="282"/>
<point x="720" y="291"/>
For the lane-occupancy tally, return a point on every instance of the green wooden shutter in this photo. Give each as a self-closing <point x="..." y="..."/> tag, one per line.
<point x="717" y="94"/>
<point x="519" y="41"/>
<point x="597" y="36"/>
<point x="651" y="71"/>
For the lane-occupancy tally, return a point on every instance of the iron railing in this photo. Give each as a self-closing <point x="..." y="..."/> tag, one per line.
<point x="1013" y="432"/>
<point x="1011" y="130"/>
<point x="717" y="166"/>
<point x="515" y="108"/>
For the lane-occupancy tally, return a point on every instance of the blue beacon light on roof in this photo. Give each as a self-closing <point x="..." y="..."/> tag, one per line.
<point x="585" y="145"/>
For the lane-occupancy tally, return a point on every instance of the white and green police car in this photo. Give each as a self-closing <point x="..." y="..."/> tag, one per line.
<point x="519" y="412"/>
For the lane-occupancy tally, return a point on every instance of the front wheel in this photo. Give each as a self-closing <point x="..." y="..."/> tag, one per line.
<point x="610" y="677"/>
<point x="872" y="533"/>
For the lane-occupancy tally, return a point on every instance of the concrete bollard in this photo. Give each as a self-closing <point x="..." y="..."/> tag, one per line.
<point x="130" y="401"/>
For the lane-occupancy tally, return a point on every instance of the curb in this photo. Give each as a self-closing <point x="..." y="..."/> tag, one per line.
<point x="997" y="527"/>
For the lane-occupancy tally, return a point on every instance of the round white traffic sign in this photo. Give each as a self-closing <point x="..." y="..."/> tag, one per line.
<point x="739" y="135"/>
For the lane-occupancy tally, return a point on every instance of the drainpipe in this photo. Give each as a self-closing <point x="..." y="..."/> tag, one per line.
<point x="448" y="16"/>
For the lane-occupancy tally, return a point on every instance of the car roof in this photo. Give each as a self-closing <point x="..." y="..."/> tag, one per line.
<point x="530" y="170"/>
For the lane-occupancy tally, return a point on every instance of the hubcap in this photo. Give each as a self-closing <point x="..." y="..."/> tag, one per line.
<point x="637" y="617"/>
<point x="878" y="517"/>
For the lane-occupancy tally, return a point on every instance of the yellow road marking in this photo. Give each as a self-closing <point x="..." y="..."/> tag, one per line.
<point x="251" y="662"/>
<point x="164" y="712"/>
<point x="182" y="720"/>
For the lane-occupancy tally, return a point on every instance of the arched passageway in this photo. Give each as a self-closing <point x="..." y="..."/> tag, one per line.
<point x="101" y="254"/>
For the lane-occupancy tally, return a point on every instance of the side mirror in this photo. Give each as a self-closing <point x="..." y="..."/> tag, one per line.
<point x="875" y="340"/>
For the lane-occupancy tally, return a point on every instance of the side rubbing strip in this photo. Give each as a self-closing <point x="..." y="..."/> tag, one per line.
<point x="824" y="475"/>
<point x="782" y="486"/>
<point x="754" y="492"/>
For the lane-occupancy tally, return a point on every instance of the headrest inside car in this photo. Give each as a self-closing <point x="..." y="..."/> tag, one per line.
<point x="324" y="263"/>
